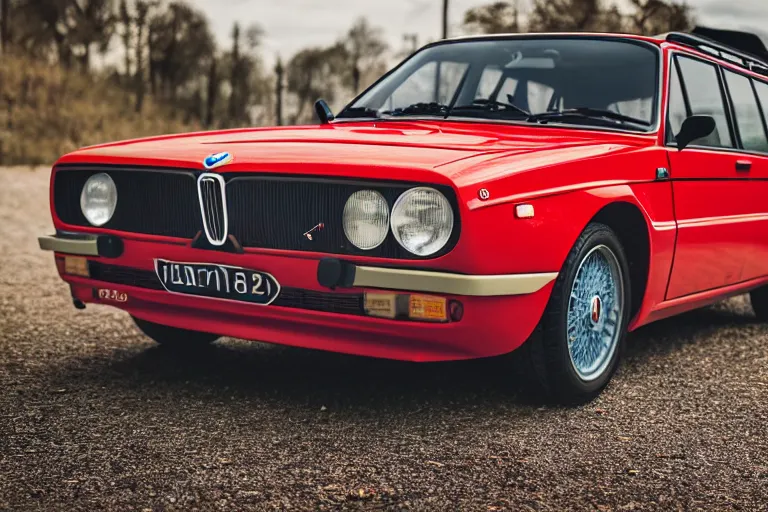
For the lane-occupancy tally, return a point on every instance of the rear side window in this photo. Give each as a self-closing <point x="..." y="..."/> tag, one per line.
<point x="702" y="86"/>
<point x="748" y="119"/>
<point x="761" y="88"/>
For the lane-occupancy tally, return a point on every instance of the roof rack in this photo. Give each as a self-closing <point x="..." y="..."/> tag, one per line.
<point x="741" y="48"/>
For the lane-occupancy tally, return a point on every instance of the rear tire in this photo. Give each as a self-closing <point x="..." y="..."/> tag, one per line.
<point x="759" y="300"/>
<point x="174" y="337"/>
<point x="576" y="348"/>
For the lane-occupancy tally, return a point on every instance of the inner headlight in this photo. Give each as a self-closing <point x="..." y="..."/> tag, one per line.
<point x="422" y="220"/>
<point x="98" y="199"/>
<point x="366" y="219"/>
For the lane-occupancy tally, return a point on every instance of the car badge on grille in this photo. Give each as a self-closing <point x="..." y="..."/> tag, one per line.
<point x="317" y="228"/>
<point x="213" y="207"/>
<point x="217" y="159"/>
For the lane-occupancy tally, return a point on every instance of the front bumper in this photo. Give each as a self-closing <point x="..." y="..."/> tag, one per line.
<point x="500" y="311"/>
<point x="333" y="273"/>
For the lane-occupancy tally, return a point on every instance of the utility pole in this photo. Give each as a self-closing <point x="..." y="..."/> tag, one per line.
<point x="445" y="19"/>
<point x="5" y="12"/>
<point x="279" y="93"/>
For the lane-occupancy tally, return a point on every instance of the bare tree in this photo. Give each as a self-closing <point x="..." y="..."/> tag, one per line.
<point x="93" y="25"/>
<point x="126" y="22"/>
<point x="495" y="18"/>
<point x="235" y="77"/>
<point x="364" y="46"/>
<point x="142" y="14"/>
<point x="656" y="16"/>
<point x="5" y="35"/>
<point x="181" y="46"/>
<point x="644" y="17"/>
<point x="279" y="92"/>
<point x="244" y="76"/>
<point x="564" y="15"/>
<point x="212" y="93"/>
<point x="313" y="74"/>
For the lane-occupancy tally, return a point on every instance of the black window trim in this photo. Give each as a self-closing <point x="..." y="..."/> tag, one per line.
<point x="669" y="136"/>
<point x="730" y="113"/>
<point x="730" y="116"/>
<point x="763" y="111"/>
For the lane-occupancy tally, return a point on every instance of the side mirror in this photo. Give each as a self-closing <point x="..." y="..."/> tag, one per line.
<point x="324" y="112"/>
<point x="694" y="127"/>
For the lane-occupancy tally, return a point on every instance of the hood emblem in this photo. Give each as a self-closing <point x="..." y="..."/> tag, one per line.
<point x="483" y="194"/>
<point x="217" y="159"/>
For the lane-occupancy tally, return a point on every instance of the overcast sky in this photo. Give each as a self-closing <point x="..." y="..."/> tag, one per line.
<point x="291" y="25"/>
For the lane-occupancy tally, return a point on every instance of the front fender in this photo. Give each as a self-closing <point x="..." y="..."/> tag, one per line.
<point x="505" y="244"/>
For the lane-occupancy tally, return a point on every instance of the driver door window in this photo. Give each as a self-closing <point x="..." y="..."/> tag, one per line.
<point x="702" y="85"/>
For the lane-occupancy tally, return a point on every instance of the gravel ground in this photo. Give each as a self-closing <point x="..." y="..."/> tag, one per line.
<point x="94" y="416"/>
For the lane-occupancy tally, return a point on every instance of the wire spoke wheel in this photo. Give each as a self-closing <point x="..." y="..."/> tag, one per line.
<point x="595" y="313"/>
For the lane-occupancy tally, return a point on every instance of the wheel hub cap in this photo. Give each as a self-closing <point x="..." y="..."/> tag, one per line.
<point x="595" y="313"/>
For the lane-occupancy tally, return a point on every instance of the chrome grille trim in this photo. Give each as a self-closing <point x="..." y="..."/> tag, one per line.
<point x="213" y="207"/>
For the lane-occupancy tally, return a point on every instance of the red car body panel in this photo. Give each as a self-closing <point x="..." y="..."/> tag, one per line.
<point x="568" y="174"/>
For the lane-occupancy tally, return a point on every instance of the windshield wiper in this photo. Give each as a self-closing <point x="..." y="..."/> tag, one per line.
<point x="420" y="109"/>
<point x="362" y="112"/>
<point x="588" y="113"/>
<point x="487" y="105"/>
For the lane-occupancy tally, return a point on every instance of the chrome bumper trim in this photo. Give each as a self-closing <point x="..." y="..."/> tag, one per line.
<point x="451" y="284"/>
<point x="83" y="246"/>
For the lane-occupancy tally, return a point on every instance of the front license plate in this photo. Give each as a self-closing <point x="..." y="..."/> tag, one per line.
<point x="217" y="281"/>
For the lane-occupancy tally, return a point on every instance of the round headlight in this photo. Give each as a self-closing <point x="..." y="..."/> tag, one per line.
<point x="422" y="220"/>
<point x="98" y="199"/>
<point x="366" y="219"/>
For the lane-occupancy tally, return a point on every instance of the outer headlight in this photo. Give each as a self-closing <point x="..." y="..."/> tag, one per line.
<point x="98" y="199"/>
<point x="366" y="219"/>
<point x="422" y="220"/>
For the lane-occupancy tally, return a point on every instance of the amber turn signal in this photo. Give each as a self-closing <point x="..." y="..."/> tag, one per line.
<point x="421" y="308"/>
<point x="427" y="307"/>
<point x="76" y="266"/>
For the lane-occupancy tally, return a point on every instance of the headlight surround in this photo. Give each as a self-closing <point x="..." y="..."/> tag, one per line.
<point x="366" y="219"/>
<point x="98" y="199"/>
<point x="422" y="221"/>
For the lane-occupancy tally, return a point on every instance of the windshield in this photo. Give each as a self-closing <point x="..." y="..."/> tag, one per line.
<point x="574" y="80"/>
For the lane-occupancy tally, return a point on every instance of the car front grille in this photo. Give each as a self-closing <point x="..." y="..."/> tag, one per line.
<point x="259" y="210"/>
<point x="213" y="207"/>
<point x="152" y="202"/>
<point x="329" y="302"/>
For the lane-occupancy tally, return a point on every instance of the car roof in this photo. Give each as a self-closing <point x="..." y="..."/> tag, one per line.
<point x="546" y="35"/>
<point x="692" y="43"/>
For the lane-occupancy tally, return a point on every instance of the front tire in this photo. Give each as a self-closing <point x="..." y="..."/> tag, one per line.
<point x="174" y="337"/>
<point x="577" y="347"/>
<point x="759" y="300"/>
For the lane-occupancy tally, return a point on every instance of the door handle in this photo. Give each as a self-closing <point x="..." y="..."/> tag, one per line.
<point x="743" y="165"/>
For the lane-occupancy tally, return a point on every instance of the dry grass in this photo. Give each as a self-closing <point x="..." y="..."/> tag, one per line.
<point x="46" y="112"/>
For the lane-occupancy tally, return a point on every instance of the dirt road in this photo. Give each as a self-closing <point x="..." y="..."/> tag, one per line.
<point x="94" y="416"/>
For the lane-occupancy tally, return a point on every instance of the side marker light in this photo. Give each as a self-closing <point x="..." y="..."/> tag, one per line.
<point x="524" y="211"/>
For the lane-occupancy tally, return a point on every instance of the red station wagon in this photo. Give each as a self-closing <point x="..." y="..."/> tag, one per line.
<point x="542" y="192"/>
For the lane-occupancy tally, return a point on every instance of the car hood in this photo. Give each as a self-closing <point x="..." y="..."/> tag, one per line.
<point x="440" y="151"/>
